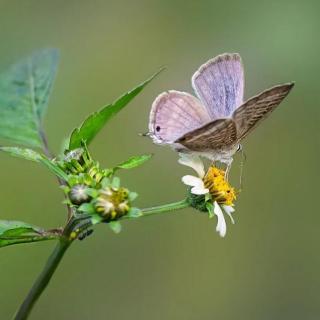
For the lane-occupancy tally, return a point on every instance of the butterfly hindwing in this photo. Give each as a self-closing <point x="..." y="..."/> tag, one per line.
<point x="219" y="83"/>
<point x="215" y="135"/>
<point x="254" y="110"/>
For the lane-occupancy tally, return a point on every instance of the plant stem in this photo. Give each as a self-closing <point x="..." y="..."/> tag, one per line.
<point x="43" y="279"/>
<point x="45" y="144"/>
<point x="63" y="244"/>
<point x="165" y="208"/>
<point x="50" y="155"/>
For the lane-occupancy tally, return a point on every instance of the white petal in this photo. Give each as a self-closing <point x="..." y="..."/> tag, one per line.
<point x="229" y="210"/>
<point x="199" y="190"/>
<point x="196" y="183"/>
<point x="192" y="181"/>
<point x="221" y="225"/>
<point x="193" y="162"/>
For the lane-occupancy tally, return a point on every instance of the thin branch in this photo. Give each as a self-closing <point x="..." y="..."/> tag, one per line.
<point x="43" y="279"/>
<point x="165" y="208"/>
<point x="50" y="155"/>
<point x="79" y="224"/>
<point x="147" y="212"/>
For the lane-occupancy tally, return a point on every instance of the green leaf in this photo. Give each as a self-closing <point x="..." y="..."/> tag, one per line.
<point x="105" y="183"/>
<point x="32" y="155"/>
<point x="134" y="213"/>
<point x="96" y="121"/>
<point x="87" y="208"/>
<point x="91" y="192"/>
<point x="24" y="91"/>
<point x="95" y="219"/>
<point x="115" y="226"/>
<point x="133" y="196"/>
<point x="115" y="183"/>
<point x="54" y="168"/>
<point x="27" y="154"/>
<point x="210" y="208"/>
<point x="15" y="232"/>
<point x="134" y="162"/>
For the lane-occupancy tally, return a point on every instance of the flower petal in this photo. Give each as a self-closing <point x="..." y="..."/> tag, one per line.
<point x="196" y="183"/>
<point x="192" y="181"/>
<point x="221" y="225"/>
<point x="199" y="190"/>
<point x="229" y="210"/>
<point x="193" y="162"/>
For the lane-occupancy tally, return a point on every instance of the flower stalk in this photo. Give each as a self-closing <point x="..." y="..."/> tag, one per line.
<point x="72" y="231"/>
<point x="165" y="208"/>
<point x="43" y="279"/>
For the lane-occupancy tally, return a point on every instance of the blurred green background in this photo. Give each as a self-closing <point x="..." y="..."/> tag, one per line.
<point x="172" y="266"/>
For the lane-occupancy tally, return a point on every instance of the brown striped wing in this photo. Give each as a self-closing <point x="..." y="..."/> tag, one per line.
<point x="215" y="135"/>
<point x="254" y="110"/>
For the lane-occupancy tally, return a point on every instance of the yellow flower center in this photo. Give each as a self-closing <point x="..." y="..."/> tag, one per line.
<point x="219" y="188"/>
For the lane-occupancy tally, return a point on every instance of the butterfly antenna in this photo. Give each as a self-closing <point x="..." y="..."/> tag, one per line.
<point x="228" y="168"/>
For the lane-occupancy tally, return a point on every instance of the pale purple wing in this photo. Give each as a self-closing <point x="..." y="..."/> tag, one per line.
<point x="253" y="111"/>
<point x="173" y="114"/>
<point x="215" y="135"/>
<point x="219" y="84"/>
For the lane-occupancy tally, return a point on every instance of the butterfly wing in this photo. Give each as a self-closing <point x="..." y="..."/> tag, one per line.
<point x="219" y="84"/>
<point x="253" y="111"/>
<point x="215" y="135"/>
<point x="173" y="114"/>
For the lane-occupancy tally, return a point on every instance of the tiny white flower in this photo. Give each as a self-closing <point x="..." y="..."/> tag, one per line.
<point x="196" y="183"/>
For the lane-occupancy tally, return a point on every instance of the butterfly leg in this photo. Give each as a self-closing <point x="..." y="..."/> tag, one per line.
<point x="228" y="163"/>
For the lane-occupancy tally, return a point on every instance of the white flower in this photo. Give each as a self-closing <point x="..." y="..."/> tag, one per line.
<point x="198" y="188"/>
<point x="196" y="183"/>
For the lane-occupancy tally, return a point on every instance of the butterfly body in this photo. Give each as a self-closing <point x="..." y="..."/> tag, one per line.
<point x="214" y="123"/>
<point x="223" y="155"/>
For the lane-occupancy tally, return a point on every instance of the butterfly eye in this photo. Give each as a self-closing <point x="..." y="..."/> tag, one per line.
<point x="157" y="128"/>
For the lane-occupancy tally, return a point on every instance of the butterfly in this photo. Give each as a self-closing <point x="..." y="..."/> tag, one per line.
<point x="213" y="123"/>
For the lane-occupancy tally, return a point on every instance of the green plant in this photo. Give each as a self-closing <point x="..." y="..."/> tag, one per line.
<point x="92" y="194"/>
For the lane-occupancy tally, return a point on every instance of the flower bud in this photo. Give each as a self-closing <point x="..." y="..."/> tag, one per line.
<point x="78" y="194"/>
<point x="112" y="203"/>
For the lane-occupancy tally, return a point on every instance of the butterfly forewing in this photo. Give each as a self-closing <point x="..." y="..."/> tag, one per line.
<point x="175" y="113"/>
<point x="253" y="111"/>
<point x="219" y="84"/>
<point x="215" y="135"/>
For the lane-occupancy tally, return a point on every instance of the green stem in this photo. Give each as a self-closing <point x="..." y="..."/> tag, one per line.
<point x="165" y="208"/>
<point x="63" y="244"/>
<point x="43" y="279"/>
